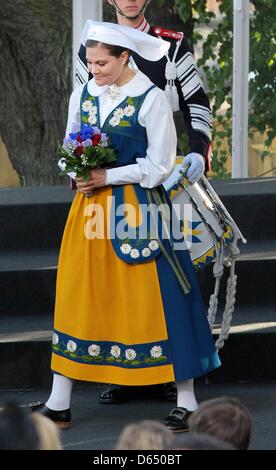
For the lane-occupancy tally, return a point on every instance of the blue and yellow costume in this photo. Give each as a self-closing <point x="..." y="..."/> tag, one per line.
<point x="127" y="311"/>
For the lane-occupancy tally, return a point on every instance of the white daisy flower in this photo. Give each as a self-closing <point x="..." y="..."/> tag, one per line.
<point x="93" y="111"/>
<point x="156" y="351"/>
<point x="92" y="119"/>
<point x="87" y="106"/>
<point x="71" y="346"/>
<point x="115" y="351"/>
<point x="55" y="338"/>
<point x="119" y="113"/>
<point x="146" y="252"/>
<point x="125" y="248"/>
<point x="94" y="350"/>
<point x="153" y="245"/>
<point x="134" y="253"/>
<point x="129" y="110"/>
<point x="114" y="121"/>
<point x="130" y="354"/>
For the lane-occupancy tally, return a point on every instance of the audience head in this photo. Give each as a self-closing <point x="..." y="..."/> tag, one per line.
<point x="47" y="431"/>
<point x="226" y="418"/>
<point x="144" y="435"/>
<point x="17" y="430"/>
<point x="198" y="441"/>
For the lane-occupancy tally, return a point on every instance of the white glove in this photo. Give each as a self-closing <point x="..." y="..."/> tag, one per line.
<point x="196" y="168"/>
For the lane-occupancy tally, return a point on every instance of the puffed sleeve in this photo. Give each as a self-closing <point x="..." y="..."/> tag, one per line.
<point x="74" y="117"/>
<point x="156" y="116"/>
<point x="73" y="121"/>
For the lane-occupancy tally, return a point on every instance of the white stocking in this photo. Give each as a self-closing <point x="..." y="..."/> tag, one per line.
<point x="61" y="393"/>
<point x="185" y="395"/>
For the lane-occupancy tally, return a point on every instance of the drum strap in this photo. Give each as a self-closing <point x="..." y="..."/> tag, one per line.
<point x="153" y="197"/>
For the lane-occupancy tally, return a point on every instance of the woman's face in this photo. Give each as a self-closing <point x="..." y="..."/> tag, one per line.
<point x="105" y="67"/>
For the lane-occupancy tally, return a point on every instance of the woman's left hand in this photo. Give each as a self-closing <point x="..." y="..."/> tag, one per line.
<point x="97" y="179"/>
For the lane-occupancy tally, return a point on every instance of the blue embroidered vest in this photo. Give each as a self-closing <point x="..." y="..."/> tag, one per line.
<point x="130" y="141"/>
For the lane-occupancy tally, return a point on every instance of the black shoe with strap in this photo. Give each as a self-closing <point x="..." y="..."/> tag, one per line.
<point x="177" y="421"/>
<point x="61" y="418"/>
<point x="114" y="394"/>
<point x="169" y="391"/>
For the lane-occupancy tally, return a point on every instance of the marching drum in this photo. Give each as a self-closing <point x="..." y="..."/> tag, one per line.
<point x="211" y="235"/>
<point x="207" y="225"/>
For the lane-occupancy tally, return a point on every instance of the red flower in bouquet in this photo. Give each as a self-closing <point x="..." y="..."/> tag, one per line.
<point x="84" y="150"/>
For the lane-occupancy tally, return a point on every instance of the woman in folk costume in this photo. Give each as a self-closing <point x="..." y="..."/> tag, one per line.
<point x="177" y="74"/>
<point x="128" y="310"/>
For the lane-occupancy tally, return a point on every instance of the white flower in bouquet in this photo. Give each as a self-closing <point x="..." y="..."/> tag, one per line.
<point x="85" y="150"/>
<point x="84" y="160"/>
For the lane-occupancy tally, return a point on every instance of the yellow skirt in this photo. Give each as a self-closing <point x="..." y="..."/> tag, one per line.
<point x="103" y="302"/>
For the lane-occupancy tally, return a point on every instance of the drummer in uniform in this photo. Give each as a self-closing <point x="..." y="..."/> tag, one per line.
<point x="178" y="75"/>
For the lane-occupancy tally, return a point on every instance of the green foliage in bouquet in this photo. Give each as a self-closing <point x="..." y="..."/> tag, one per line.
<point x="84" y="151"/>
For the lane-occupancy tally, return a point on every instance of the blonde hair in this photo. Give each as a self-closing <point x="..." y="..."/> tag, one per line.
<point x="47" y="431"/>
<point x="144" y="435"/>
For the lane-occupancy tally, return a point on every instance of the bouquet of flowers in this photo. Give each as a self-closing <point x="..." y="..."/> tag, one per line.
<point x="84" y="150"/>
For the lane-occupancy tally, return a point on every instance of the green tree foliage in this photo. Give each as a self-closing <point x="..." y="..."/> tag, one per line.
<point x="217" y="63"/>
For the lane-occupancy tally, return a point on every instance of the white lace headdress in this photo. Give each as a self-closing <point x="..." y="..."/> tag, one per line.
<point x="143" y="44"/>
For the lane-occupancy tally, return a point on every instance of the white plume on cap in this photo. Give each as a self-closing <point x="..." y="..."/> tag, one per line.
<point x="143" y="44"/>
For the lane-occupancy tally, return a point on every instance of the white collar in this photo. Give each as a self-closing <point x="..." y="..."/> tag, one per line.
<point x="134" y="87"/>
<point x="143" y="26"/>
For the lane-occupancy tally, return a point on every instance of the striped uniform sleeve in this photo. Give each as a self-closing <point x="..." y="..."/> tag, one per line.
<point x="81" y="73"/>
<point x="193" y="102"/>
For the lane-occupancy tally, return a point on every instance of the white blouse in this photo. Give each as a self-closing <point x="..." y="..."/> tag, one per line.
<point x="155" y="115"/>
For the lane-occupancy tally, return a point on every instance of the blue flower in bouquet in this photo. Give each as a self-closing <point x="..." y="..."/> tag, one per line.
<point x="87" y="132"/>
<point x="84" y="150"/>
